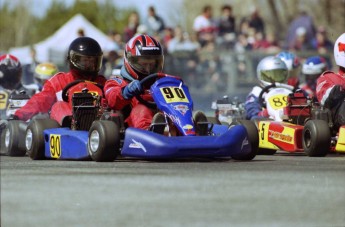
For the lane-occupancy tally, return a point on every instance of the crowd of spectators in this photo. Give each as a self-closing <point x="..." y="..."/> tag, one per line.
<point x="193" y="52"/>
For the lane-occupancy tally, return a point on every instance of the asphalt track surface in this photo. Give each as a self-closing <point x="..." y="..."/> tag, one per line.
<point x="279" y="190"/>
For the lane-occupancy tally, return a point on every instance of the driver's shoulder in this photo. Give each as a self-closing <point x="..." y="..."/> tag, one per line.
<point x="256" y="91"/>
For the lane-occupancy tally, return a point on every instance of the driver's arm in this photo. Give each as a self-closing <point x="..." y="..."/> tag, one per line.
<point x="38" y="103"/>
<point x="113" y="93"/>
<point x="252" y="105"/>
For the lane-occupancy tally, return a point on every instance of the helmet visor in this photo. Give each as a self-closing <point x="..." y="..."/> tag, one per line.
<point x="86" y="63"/>
<point x="147" y="64"/>
<point x="276" y="75"/>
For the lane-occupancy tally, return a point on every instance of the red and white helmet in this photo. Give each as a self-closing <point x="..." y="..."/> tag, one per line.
<point x="339" y="51"/>
<point x="143" y="56"/>
<point x="10" y="71"/>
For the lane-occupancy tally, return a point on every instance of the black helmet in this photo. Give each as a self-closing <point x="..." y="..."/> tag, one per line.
<point x="85" y="55"/>
<point x="143" y="56"/>
<point x="10" y="71"/>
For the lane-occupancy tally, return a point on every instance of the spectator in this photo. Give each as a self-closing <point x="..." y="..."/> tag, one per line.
<point x="29" y="69"/>
<point x="272" y="40"/>
<point x="204" y="26"/>
<point x="168" y="35"/>
<point x="321" y="43"/>
<point x="244" y="26"/>
<point x="132" y="26"/>
<point x="115" y="43"/>
<point x="154" y="23"/>
<point x="81" y="32"/>
<point x="303" y="20"/>
<point x="255" y="21"/>
<point x="302" y="42"/>
<point x="112" y="60"/>
<point x="226" y="27"/>
<point x="181" y="42"/>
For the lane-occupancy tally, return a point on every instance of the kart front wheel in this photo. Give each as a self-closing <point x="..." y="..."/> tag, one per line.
<point x="316" y="138"/>
<point x="34" y="138"/>
<point x="14" y="134"/>
<point x="253" y="138"/>
<point x="104" y="141"/>
<point x="201" y="123"/>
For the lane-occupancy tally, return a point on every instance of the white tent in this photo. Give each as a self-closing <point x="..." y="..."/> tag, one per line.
<point x="55" y="47"/>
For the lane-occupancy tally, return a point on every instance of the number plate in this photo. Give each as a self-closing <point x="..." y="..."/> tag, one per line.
<point x="174" y="94"/>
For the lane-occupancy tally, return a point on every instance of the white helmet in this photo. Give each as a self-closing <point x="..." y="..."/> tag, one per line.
<point x="272" y="69"/>
<point x="339" y="51"/>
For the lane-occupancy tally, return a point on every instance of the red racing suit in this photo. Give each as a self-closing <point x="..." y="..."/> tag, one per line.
<point x="50" y="95"/>
<point x="140" y="116"/>
<point x="330" y="91"/>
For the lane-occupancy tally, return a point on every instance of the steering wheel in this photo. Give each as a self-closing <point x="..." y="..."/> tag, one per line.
<point x="263" y="91"/>
<point x="150" y="79"/>
<point x="268" y="87"/>
<point x="68" y="86"/>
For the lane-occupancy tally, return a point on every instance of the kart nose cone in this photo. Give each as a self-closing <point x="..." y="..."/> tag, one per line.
<point x="28" y="139"/>
<point x="94" y="141"/>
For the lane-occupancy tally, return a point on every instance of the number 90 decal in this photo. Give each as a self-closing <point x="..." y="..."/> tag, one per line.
<point x="55" y="145"/>
<point x="174" y="94"/>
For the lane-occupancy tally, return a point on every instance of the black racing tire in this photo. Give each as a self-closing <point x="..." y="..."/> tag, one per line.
<point x="266" y="151"/>
<point x="14" y="138"/>
<point x="104" y="141"/>
<point x="34" y="138"/>
<point x="200" y="117"/>
<point x="253" y="138"/>
<point x="316" y="138"/>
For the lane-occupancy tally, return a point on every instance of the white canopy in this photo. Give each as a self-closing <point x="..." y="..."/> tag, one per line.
<point x="55" y="47"/>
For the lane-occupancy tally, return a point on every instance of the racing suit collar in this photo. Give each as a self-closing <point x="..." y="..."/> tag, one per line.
<point x="125" y="74"/>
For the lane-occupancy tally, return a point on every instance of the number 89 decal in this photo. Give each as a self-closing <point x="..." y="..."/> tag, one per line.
<point x="173" y="94"/>
<point x="278" y="101"/>
<point x="55" y="146"/>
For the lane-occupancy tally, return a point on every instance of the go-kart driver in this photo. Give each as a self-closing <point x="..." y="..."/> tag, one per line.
<point x="312" y="68"/>
<point x="270" y="69"/>
<point x="293" y="64"/>
<point x="143" y="56"/>
<point x="43" y="72"/>
<point x="10" y="81"/>
<point x="85" y="60"/>
<point x="330" y="88"/>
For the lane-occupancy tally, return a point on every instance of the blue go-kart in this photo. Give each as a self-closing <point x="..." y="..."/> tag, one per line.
<point x="101" y="135"/>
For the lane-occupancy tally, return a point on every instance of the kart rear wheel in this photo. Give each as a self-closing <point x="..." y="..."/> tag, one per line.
<point x="34" y="138"/>
<point x="14" y="138"/>
<point x="253" y="138"/>
<point x="104" y="141"/>
<point x="316" y="138"/>
<point x="265" y="151"/>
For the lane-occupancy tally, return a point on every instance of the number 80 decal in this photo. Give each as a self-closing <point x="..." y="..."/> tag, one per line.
<point x="174" y="94"/>
<point x="55" y="146"/>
